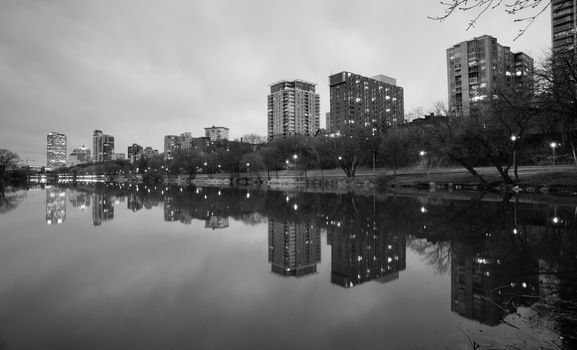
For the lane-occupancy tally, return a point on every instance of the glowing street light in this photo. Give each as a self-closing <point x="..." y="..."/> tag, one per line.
<point x="514" y="139"/>
<point x="553" y="145"/>
<point x="422" y="154"/>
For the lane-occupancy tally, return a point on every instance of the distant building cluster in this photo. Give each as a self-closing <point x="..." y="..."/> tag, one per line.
<point x="103" y="147"/>
<point x="186" y="141"/>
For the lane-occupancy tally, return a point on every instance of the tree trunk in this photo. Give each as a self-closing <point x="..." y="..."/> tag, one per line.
<point x="573" y="151"/>
<point x="504" y="175"/>
<point x="468" y="167"/>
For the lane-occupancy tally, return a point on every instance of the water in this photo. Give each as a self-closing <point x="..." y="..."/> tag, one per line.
<point x="118" y="267"/>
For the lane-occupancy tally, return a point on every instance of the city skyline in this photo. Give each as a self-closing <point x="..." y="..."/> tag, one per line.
<point x="144" y="72"/>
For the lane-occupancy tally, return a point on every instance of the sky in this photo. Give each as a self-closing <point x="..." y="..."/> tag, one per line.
<point x="142" y="69"/>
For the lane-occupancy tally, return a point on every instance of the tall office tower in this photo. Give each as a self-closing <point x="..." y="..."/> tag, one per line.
<point x="102" y="146"/>
<point x="79" y="155"/>
<point x="171" y="145"/>
<point x="293" y="108"/>
<point x="481" y="68"/>
<point x="359" y="102"/>
<point x="294" y="248"/>
<point x="216" y="133"/>
<point x="563" y="25"/>
<point x="135" y="152"/>
<point x="55" y="150"/>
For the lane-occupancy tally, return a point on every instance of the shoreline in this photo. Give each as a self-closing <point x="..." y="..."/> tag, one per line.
<point x="553" y="181"/>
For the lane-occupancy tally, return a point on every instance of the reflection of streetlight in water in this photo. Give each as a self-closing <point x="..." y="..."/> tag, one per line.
<point x="556" y="219"/>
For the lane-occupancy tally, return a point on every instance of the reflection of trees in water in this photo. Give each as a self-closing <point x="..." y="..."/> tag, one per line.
<point x="10" y="197"/>
<point x="504" y="255"/>
<point x="436" y="254"/>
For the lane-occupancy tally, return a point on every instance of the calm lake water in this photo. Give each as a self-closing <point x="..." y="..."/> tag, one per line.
<point x="118" y="267"/>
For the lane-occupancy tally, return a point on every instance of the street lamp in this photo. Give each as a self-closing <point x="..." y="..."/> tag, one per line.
<point x="248" y="171"/>
<point x="553" y="145"/>
<point x="295" y="158"/>
<point x="514" y="138"/>
<point x="422" y="154"/>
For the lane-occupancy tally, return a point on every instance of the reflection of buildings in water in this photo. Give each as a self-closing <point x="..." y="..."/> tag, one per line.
<point x="294" y="248"/>
<point x="134" y="202"/>
<point x="364" y="253"/>
<point x="171" y="211"/>
<point x="485" y="288"/>
<point x="216" y="222"/>
<point x="103" y="208"/>
<point x="79" y="200"/>
<point x="55" y="205"/>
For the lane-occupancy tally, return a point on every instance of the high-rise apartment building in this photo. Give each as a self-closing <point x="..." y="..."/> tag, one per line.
<point x="481" y="68"/>
<point x="216" y="133"/>
<point x="55" y="150"/>
<point x="185" y="141"/>
<point x="134" y="152"/>
<point x="563" y="25"/>
<point x="360" y="102"/>
<point x="102" y="146"/>
<point x="293" y="108"/>
<point x="171" y="145"/>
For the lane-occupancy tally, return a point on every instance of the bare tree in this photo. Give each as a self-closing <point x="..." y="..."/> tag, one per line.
<point x="557" y="85"/>
<point x="350" y="149"/>
<point x="525" y="11"/>
<point x="7" y="160"/>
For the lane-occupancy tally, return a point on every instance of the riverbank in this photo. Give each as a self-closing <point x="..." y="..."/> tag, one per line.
<point x="560" y="180"/>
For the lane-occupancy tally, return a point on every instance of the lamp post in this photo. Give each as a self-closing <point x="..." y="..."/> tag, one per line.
<point x="422" y="154"/>
<point x="295" y="157"/>
<point x="553" y="145"/>
<point x="248" y="171"/>
<point x="514" y="139"/>
<point x="374" y="162"/>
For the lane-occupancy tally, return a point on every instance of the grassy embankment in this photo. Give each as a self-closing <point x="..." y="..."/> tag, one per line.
<point x="549" y="178"/>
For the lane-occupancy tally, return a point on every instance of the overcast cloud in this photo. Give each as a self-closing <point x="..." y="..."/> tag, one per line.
<point x="142" y="69"/>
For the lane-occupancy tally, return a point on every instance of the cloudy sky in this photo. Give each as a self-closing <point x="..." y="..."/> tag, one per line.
<point x="142" y="69"/>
